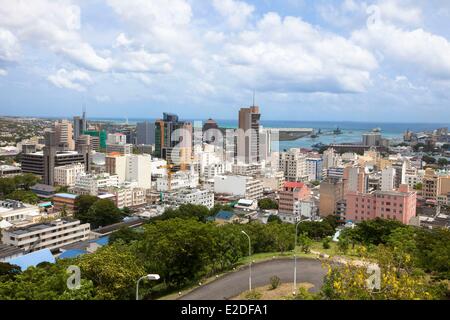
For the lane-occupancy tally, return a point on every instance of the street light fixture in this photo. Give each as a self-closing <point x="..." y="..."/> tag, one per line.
<point x="249" y="255"/>
<point x="295" y="255"/>
<point x="153" y="277"/>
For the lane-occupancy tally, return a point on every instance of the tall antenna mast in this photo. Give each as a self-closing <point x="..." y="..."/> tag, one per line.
<point x="253" y="98"/>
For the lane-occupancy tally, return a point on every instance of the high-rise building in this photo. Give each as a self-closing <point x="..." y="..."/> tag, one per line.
<point x="43" y="163"/>
<point x="64" y="135"/>
<point x="248" y="140"/>
<point x="131" y="168"/>
<point x="174" y="140"/>
<point x="79" y="126"/>
<point x="145" y="133"/>
<point x="388" y="179"/>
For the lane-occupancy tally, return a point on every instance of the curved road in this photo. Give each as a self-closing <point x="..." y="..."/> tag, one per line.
<point x="232" y="284"/>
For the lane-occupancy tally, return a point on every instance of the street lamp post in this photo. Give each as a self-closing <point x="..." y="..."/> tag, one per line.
<point x="250" y="256"/>
<point x="295" y="255"/>
<point x="149" y="277"/>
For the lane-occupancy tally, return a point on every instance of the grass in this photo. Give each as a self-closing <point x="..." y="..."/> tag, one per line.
<point x="282" y="292"/>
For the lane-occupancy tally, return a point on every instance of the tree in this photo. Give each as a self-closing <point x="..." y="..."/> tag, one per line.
<point x="186" y="211"/>
<point x="442" y="162"/>
<point x="7" y="186"/>
<point x="374" y="231"/>
<point x="274" y="282"/>
<point x="267" y="204"/>
<point x="8" y="271"/>
<point x="326" y="243"/>
<point x="305" y="242"/>
<point x="26" y="181"/>
<point x="274" y="219"/>
<point x="114" y="270"/>
<point x="418" y="186"/>
<point x="102" y="213"/>
<point x="83" y="204"/>
<point x="24" y="196"/>
<point x="428" y="159"/>
<point x="350" y="282"/>
<point x="126" y="235"/>
<point x="180" y="250"/>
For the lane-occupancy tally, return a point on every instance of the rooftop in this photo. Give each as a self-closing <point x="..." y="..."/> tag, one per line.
<point x="7" y="251"/>
<point x="66" y="195"/>
<point x="33" y="259"/>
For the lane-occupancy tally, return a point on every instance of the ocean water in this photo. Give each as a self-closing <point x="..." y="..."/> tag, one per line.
<point x="351" y="131"/>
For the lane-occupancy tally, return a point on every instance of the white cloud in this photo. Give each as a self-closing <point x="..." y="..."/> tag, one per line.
<point x="416" y="49"/>
<point x="288" y="54"/>
<point x="235" y="12"/>
<point x="102" y="99"/>
<point x="142" y="61"/>
<point x="53" y="25"/>
<point x="75" y="79"/>
<point x="9" y="50"/>
<point x="400" y="12"/>
<point x="123" y="41"/>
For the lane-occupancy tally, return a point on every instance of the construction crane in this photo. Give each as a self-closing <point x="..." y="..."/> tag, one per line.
<point x="168" y="168"/>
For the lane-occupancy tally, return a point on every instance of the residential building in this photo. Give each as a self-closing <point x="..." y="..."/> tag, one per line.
<point x="331" y="192"/>
<point x="131" y="168"/>
<point x="7" y="171"/>
<point x="293" y="163"/>
<point x="66" y="175"/>
<point x="90" y="184"/>
<point x="189" y="196"/>
<point x="178" y="180"/>
<point x="292" y="192"/>
<point x="65" y="201"/>
<point x="246" y="169"/>
<point x="314" y="169"/>
<point x="397" y="205"/>
<point x="242" y="186"/>
<point x="13" y="212"/>
<point x="388" y="179"/>
<point x="64" y="135"/>
<point x="51" y="235"/>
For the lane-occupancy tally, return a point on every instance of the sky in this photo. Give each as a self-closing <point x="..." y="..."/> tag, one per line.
<point x="343" y="60"/>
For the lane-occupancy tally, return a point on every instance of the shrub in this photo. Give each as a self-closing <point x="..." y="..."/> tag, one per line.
<point x="274" y="282"/>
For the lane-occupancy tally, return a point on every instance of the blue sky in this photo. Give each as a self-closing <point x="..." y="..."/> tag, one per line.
<point x="380" y="60"/>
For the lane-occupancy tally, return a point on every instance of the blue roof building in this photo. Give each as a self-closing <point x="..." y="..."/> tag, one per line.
<point x="33" y="259"/>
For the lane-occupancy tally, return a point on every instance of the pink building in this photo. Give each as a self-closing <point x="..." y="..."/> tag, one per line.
<point x="397" y="205"/>
<point x="292" y="192"/>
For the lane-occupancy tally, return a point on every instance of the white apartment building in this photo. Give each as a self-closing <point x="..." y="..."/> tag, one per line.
<point x="413" y="177"/>
<point x="178" y="180"/>
<point x="14" y="212"/>
<point x="314" y="169"/>
<point x="52" y="235"/>
<point x="243" y="186"/>
<point x="126" y="196"/>
<point x="272" y="179"/>
<point x="91" y="183"/>
<point x="66" y="175"/>
<point x="131" y="168"/>
<point x="331" y="159"/>
<point x="213" y="170"/>
<point x="293" y="163"/>
<point x="246" y="169"/>
<point x="190" y="196"/>
<point x="388" y="179"/>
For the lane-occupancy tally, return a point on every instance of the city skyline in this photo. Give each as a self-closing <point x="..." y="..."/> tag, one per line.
<point x="196" y="58"/>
